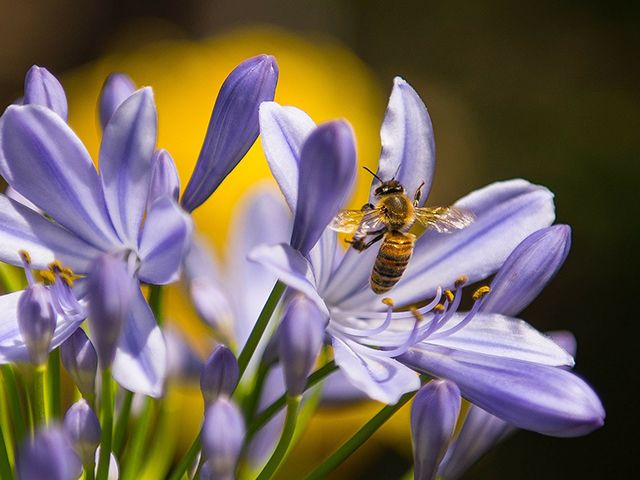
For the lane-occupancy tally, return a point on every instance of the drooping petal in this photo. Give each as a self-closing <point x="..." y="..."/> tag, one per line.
<point x="48" y="164"/>
<point x="506" y="213"/>
<point x="291" y="268"/>
<point x="327" y="171"/>
<point x="140" y="364"/>
<point x="116" y="89"/>
<point x="408" y="146"/>
<point x="528" y="270"/>
<point x="233" y="126"/>
<point x="125" y="162"/>
<point x="23" y="229"/>
<point x="42" y="88"/>
<point x="548" y="400"/>
<point x="382" y="378"/>
<point x="164" y="177"/>
<point x="493" y="334"/>
<point x="283" y="130"/>
<point x="165" y="237"/>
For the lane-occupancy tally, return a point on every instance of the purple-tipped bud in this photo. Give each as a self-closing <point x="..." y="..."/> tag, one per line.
<point x="327" y="172"/>
<point x="109" y="293"/>
<point x="233" y="126"/>
<point x="164" y="177"/>
<point x="116" y="89"/>
<point x="222" y="436"/>
<point x="83" y="430"/>
<point x="80" y="360"/>
<point x="434" y="414"/>
<point x="219" y="375"/>
<point x="42" y="88"/>
<point x="300" y="338"/>
<point x="528" y="269"/>
<point x="49" y="455"/>
<point x="37" y="321"/>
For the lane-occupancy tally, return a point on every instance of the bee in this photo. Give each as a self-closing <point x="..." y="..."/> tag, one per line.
<point x="389" y="220"/>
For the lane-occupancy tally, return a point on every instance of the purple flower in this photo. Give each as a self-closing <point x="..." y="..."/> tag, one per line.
<point x="484" y="353"/>
<point x="83" y="430"/>
<point x="80" y="360"/>
<point x="88" y="214"/>
<point x="37" y="321"/>
<point x="222" y="436"/>
<point x="219" y="375"/>
<point x="49" y="455"/>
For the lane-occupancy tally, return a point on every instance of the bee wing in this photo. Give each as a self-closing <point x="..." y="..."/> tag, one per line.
<point x="347" y="221"/>
<point x="444" y="219"/>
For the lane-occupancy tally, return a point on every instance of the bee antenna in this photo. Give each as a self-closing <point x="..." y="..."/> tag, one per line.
<point x="397" y="170"/>
<point x="376" y="176"/>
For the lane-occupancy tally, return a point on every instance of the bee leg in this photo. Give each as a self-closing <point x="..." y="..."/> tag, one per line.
<point x="363" y="246"/>
<point x="417" y="195"/>
<point x="367" y="206"/>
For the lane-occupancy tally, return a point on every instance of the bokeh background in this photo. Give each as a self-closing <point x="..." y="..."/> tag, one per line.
<point x="543" y="90"/>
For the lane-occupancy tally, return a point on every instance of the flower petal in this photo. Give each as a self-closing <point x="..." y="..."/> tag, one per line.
<point x="23" y="229"/>
<point x="125" y="162"/>
<point x="528" y="270"/>
<point x="493" y="334"/>
<point x="42" y="88"/>
<point x="291" y="268"/>
<point x="327" y="172"/>
<point x="12" y="346"/>
<point x="233" y="126"/>
<point x="48" y="164"/>
<point x="548" y="400"/>
<point x="164" y="177"/>
<point x="408" y="147"/>
<point x="382" y="378"/>
<point x="140" y="364"/>
<point x="283" y="130"/>
<point x="116" y="89"/>
<point x="165" y="238"/>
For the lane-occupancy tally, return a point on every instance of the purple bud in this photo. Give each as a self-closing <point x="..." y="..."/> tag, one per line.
<point x="110" y="289"/>
<point x="116" y="89"/>
<point x="220" y="374"/>
<point x="83" y="430"/>
<point x="300" y="338"/>
<point x="164" y="177"/>
<point x="37" y="321"/>
<point x="42" y="88"/>
<point x="233" y="126"/>
<point x="49" y="455"/>
<point x="80" y="359"/>
<point x="434" y="414"/>
<point x="222" y="436"/>
<point x="528" y="269"/>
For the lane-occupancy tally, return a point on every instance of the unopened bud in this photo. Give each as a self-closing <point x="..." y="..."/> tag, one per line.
<point x="37" y="321"/>
<point x="220" y="374"/>
<point x="80" y="360"/>
<point x="222" y="437"/>
<point x="48" y="455"/>
<point x="83" y="429"/>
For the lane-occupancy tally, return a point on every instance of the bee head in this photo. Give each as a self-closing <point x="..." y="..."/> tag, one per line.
<point x="388" y="187"/>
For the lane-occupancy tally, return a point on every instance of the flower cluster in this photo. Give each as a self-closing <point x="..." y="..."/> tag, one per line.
<point x="293" y="321"/>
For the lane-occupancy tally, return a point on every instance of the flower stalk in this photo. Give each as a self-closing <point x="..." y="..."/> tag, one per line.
<point x="38" y="396"/>
<point x="106" y="424"/>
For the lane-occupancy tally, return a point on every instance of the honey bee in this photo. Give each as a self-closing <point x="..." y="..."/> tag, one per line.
<point x="389" y="220"/>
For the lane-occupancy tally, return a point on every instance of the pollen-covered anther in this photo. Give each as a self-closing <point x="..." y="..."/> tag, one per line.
<point x="480" y="292"/>
<point x="416" y="313"/>
<point x="439" y="308"/>
<point x="47" y="276"/>
<point x="388" y="302"/>
<point x="461" y="280"/>
<point x="55" y="266"/>
<point x="25" y="256"/>
<point x="449" y="294"/>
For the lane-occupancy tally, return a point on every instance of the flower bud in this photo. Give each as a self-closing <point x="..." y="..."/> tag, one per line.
<point x="220" y="374"/>
<point x="164" y="177"/>
<point x="300" y="338"/>
<point x="222" y="436"/>
<point x="116" y="89"/>
<point x="80" y="360"/>
<point x="49" y="455"/>
<point x="434" y="414"/>
<point x="109" y="293"/>
<point x="233" y="126"/>
<point x="83" y="430"/>
<point x="42" y="88"/>
<point x="37" y="321"/>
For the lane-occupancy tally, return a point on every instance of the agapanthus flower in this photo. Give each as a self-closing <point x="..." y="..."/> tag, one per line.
<point x="380" y="348"/>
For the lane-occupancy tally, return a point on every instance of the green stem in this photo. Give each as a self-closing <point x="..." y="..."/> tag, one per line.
<point x="54" y="384"/>
<point x="107" y="424"/>
<point x="38" y="396"/>
<point x="138" y="442"/>
<point x="358" y="439"/>
<point x="9" y="278"/>
<point x="89" y="471"/>
<point x="186" y="461"/>
<point x="5" y="466"/>
<point x="278" y="404"/>
<point x="260" y="327"/>
<point x="13" y="399"/>
<point x="285" y="439"/>
<point x="155" y="301"/>
<point x="121" y="423"/>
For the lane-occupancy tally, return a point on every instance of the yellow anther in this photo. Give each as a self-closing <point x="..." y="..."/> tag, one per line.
<point x="67" y="279"/>
<point x="67" y="271"/>
<point x="26" y="257"/>
<point x="449" y="294"/>
<point x="461" y="280"/>
<point x="47" y="276"/>
<point x="439" y="308"/>
<point x="481" y="292"/>
<point x="388" y="302"/>
<point x="416" y="313"/>
<point x="55" y="266"/>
